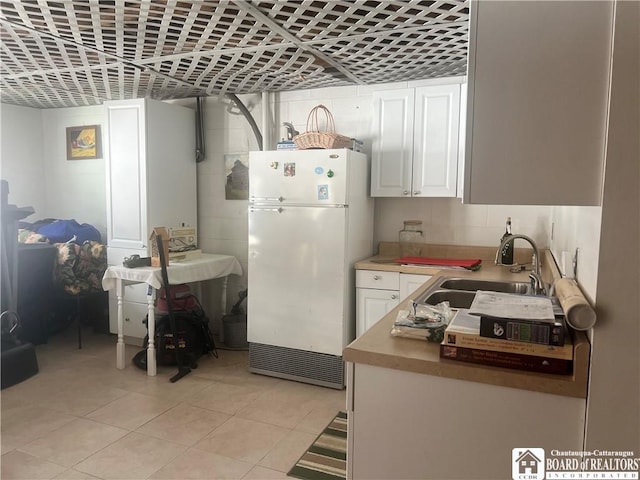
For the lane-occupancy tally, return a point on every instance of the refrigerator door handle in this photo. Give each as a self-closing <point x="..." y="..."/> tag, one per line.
<point x="260" y="209"/>
<point x="267" y="199"/>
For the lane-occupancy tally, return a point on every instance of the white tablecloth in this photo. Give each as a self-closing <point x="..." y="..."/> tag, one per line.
<point x="206" y="267"/>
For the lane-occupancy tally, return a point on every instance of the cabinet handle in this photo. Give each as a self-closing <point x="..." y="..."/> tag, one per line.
<point x="377" y="277"/>
<point x="406" y="192"/>
<point x="260" y="209"/>
<point x="127" y="319"/>
<point x="267" y="199"/>
<point x="417" y="192"/>
<point x="393" y="297"/>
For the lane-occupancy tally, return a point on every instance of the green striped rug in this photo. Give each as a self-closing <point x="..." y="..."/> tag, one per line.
<point x="326" y="458"/>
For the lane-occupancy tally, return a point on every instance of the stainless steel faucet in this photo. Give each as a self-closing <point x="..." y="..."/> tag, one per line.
<point x="537" y="284"/>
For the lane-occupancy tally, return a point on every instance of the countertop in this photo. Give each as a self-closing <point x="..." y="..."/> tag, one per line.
<point x="378" y="348"/>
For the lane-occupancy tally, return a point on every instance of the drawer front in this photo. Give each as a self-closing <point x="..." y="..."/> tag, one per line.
<point x="134" y="292"/>
<point x="378" y="279"/>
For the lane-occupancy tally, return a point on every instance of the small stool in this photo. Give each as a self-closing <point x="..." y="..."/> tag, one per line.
<point x="18" y="363"/>
<point x="18" y="360"/>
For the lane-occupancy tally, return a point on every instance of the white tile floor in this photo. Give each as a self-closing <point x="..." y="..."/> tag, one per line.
<point x="81" y="418"/>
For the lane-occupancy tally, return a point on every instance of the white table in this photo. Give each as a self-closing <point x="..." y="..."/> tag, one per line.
<point x="208" y="266"/>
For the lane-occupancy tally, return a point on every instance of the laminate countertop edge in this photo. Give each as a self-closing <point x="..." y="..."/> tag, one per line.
<point x="377" y="347"/>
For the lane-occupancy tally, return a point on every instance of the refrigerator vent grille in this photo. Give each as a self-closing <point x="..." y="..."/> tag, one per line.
<point x="310" y="367"/>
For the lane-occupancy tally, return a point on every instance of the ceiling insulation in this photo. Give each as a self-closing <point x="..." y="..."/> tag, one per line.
<point x="75" y="53"/>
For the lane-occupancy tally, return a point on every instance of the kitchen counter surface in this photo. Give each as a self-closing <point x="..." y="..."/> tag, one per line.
<point x="378" y="348"/>
<point x="389" y="252"/>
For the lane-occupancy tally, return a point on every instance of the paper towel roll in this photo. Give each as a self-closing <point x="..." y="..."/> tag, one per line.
<point x="579" y="313"/>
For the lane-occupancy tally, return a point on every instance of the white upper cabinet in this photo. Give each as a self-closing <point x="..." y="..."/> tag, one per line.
<point x="415" y="141"/>
<point x="127" y="175"/>
<point x="537" y="102"/>
<point x="150" y="170"/>
<point x="435" y="141"/>
<point x="392" y="153"/>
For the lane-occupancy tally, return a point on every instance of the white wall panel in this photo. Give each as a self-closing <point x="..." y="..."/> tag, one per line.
<point x="21" y="156"/>
<point x="74" y="188"/>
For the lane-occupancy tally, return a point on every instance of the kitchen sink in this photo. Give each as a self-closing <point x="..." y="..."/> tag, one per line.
<point x="456" y="298"/>
<point x="488" y="285"/>
<point x="460" y="292"/>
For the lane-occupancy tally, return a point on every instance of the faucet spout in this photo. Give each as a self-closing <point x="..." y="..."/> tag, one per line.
<point x="536" y="278"/>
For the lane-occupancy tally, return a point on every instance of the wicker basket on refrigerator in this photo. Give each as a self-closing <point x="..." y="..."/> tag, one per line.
<point x="315" y="138"/>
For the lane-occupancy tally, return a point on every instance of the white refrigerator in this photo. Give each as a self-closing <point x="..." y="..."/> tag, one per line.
<point x="310" y="220"/>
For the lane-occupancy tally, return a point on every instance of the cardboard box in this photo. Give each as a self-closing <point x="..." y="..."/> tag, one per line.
<point x="155" y="253"/>
<point x="182" y="238"/>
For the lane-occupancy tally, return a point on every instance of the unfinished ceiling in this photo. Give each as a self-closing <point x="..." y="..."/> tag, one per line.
<point x="82" y="52"/>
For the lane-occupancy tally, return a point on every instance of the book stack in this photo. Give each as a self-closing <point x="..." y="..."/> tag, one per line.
<point x="511" y="331"/>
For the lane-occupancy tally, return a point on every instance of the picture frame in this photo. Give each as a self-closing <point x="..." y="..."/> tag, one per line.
<point x="236" y="167"/>
<point x="84" y="142"/>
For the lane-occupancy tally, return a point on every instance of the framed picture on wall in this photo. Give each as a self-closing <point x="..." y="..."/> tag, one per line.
<point x="84" y="143"/>
<point x="236" y="166"/>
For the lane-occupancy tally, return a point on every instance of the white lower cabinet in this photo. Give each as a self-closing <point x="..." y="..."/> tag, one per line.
<point x="134" y="314"/>
<point x="378" y="292"/>
<point x="134" y="303"/>
<point x="372" y="305"/>
<point x="410" y="425"/>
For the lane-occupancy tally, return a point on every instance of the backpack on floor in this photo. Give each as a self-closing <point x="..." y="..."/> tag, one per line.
<point x="194" y="339"/>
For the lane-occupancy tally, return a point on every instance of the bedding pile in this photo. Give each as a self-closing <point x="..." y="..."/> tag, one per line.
<point x="81" y="257"/>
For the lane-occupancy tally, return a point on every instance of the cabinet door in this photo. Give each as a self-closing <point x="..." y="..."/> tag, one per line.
<point x="372" y="305"/>
<point x="389" y="442"/>
<point x="126" y="175"/>
<point x="409" y="282"/>
<point x="392" y="151"/>
<point x="462" y="138"/>
<point x="538" y="102"/>
<point x="435" y="141"/>
<point x="151" y="174"/>
<point x="171" y="167"/>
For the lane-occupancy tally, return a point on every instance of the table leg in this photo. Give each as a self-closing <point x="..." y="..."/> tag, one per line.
<point x="223" y="300"/>
<point x="151" y="325"/>
<point x="197" y="287"/>
<point x="120" y="344"/>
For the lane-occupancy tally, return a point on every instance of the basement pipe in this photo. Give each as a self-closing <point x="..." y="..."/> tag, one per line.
<point x="247" y="115"/>
<point x="266" y="124"/>
<point x="200" y="133"/>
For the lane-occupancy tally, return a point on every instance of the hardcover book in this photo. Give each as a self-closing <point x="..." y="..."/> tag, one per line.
<point x="522" y="318"/>
<point x="507" y="360"/>
<point x="464" y="331"/>
<point x="523" y="330"/>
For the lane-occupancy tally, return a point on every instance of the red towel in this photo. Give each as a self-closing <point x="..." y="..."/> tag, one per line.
<point x="445" y="262"/>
